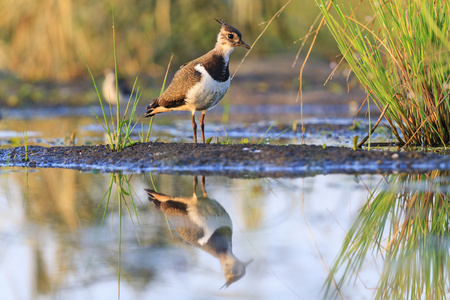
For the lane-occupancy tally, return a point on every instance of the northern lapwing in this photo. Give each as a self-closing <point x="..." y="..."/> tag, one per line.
<point x="109" y="88"/>
<point x="200" y="84"/>
<point x="205" y="224"/>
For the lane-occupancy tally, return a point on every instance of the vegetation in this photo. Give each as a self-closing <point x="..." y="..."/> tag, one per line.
<point x="118" y="133"/>
<point x="401" y="57"/>
<point x="25" y="141"/>
<point x="118" y="191"/>
<point x="405" y="222"/>
<point x="118" y="129"/>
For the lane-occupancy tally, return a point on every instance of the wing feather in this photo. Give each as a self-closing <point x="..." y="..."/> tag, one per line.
<point x="184" y="79"/>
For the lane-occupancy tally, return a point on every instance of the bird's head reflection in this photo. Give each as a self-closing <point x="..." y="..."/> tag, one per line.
<point x="234" y="269"/>
<point x="203" y="223"/>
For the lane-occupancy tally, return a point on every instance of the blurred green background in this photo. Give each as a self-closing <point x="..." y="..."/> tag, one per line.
<point x="44" y="41"/>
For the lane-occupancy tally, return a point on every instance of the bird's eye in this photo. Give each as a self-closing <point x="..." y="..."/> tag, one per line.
<point x="230" y="36"/>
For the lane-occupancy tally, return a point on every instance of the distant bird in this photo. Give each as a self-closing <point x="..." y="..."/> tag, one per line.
<point x="109" y="88"/>
<point x="205" y="224"/>
<point x="200" y="84"/>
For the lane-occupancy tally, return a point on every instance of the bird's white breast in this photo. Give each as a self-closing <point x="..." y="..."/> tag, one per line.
<point x="207" y="92"/>
<point x="210" y="216"/>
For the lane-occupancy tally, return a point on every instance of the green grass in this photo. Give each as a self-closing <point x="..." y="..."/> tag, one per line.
<point x="25" y="141"/>
<point x="405" y="224"/>
<point x="118" y="129"/>
<point x="401" y="57"/>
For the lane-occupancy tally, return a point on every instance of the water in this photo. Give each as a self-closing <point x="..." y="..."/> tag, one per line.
<point x="274" y="123"/>
<point x="60" y="239"/>
<point x="63" y="237"/>
<point x="54" y="244"/>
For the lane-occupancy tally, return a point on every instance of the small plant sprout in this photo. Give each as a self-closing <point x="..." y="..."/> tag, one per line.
<point x="355" y="142"/>
<point x="25" y="142"/>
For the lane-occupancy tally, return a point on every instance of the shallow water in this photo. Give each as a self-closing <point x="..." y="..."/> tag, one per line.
<point x="54" y="244"/>
<point x="265" y="123"/>
<point x="61" y="239"/>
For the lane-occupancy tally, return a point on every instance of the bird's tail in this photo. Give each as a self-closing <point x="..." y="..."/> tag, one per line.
<point x="165" y="202"/>
<point x="156" y="197"/>
<point x="151" y="107"/>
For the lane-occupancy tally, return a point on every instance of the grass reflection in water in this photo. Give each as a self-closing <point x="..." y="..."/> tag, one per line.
<point x="119" y="190"/>
<point x="405" y="222"/>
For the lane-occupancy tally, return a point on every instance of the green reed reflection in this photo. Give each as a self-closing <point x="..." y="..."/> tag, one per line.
<point x="405" y="222"/>
<point x="120" y="191"/>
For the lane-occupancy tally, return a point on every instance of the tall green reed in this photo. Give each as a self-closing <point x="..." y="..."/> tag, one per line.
<point x="118" y="130"/>
<point x="401" y="57"/>
<point x="405" y="224"/>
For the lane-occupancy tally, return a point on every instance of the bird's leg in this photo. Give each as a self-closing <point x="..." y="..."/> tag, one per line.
<point x="202" y="126"/>
<point x="195" y="183"/>
<point x="203" y="187"/>
<point x="194" y="127"/>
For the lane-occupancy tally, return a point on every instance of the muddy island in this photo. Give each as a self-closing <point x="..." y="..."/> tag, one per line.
<point x="231" y="160"/>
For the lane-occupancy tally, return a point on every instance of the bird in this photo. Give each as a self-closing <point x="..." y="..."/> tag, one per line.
<point x="204" y="223"/>
<point x="109" y="88"/>
<point x="201" y="83"/>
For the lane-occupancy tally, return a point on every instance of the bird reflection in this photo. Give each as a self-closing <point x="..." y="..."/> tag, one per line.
<point x="203" y="223"/>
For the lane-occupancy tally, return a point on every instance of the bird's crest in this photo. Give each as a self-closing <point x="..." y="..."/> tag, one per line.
<point x="228" y="27"/>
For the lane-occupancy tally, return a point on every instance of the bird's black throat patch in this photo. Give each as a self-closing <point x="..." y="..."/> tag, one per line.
<point x="217" y="68"/>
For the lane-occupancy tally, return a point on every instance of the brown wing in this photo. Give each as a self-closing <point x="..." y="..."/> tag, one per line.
<point x="183" y="80"/>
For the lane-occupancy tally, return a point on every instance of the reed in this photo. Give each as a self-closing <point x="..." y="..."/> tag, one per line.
<point x="118" y="129"/>
<point x="405" y="224"/>
<point x="401" y="58"/>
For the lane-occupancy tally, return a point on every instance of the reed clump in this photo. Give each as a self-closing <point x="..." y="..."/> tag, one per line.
<point x="119" y="130"/>
<point x="401" y="57"/>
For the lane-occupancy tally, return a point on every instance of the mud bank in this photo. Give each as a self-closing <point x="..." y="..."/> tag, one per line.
<point x="231" y="160"/>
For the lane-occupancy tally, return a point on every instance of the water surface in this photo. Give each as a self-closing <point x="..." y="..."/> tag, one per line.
<point x="67" y="234"/>
<point x="61" y="240"/>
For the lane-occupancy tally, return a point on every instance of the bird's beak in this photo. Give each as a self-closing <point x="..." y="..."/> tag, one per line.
<point x="243" y="44"/>
<point x="248" y="262"/>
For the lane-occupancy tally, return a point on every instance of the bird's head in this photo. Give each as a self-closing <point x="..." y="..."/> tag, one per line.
<point x="229" y="37"/>
<point x="233" y="268"/>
